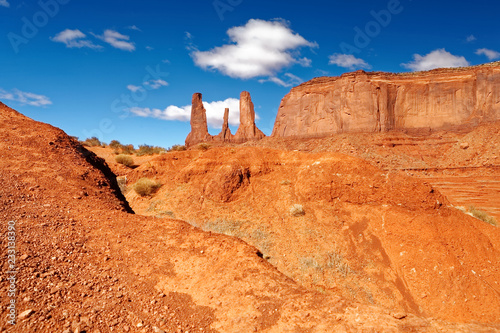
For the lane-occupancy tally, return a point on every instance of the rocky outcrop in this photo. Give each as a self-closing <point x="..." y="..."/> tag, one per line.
<point x="199" y="128"/>
<point x="247" y="130"/>
<point x="380" y="102"/>
<point x="225" y="134"/>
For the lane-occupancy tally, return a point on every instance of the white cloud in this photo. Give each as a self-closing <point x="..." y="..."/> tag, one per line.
<point x="150" y="48"/>
<point x="156" y="84"/>
<point x="117" y="40"/>
<point x="150" y="85"/>
<point x="347" y="61"/>
<point x="491" y="54"/>
<point x="259" y="48"/>
<point x="133" y="88"/>
<point x="291" y="80"/>
<point x="471" y="38"/>
<point x="215" y="112"/>
<point x="134" y="27"/>
<point x="74" y="38"/>
<point x="4" y="3"/>
<point x="25" y="98"/>
<point x="439" y="58"/>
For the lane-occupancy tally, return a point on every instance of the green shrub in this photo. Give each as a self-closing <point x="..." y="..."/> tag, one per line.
<point x="482" y="215"/>
<point x="149" y="150"/>
<point x="125" y="160"/>
<point x="297" y="210"/>
<point x="145" y="187"/>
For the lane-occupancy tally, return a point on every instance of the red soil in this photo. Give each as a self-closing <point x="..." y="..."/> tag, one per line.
<point x="86" y="264"/>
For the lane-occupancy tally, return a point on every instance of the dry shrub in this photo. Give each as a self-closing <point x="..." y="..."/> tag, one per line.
<point x="177" y="148"/>
<point x="149" y="150"/>
<point x="92" y="142"/>
<point x="145" y="187"/>
<point x="482" y="215"/>
<point x="203" y="146"/>
<point x="125" y="160"/>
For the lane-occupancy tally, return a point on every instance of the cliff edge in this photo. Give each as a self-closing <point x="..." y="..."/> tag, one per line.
<point x="441" y="99"/>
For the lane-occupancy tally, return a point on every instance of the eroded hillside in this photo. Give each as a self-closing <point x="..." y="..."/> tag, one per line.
<point x="85" y="264"/>
<point x="372" y="236"/>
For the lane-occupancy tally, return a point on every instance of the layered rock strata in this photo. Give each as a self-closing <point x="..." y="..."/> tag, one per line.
<point x="380" y="102"/>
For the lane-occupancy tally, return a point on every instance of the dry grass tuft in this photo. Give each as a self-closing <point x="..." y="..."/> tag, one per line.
<point x="483" y="216"/>
<point x="125" y="160"/>
<point x="146" y="187"/>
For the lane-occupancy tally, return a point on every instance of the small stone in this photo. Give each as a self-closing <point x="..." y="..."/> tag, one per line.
<point x="158" y="330"/>
<point x="399" y="315"/>
<point x="139" y="325"/>
<point x="25" y="314"/>
<point x="464" y="145"/>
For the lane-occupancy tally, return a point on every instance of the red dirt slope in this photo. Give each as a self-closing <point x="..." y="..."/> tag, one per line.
<point x="372" y="236"/>
<point x="86" y="265"/>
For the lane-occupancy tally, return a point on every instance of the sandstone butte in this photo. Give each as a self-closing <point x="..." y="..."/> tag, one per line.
<point x="247" y="130"/>
<point x="441" y="99"/>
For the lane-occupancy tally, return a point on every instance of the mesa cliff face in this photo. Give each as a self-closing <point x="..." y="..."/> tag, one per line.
<point x="381" y="102"/>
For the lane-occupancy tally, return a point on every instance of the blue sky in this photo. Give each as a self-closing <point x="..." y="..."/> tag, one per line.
<point x="126" y="69"/>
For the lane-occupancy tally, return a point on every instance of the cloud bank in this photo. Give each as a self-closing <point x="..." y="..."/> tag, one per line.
<point x="25" y="98"/>
<point x="259" y="48"/>
<point x="215" y="112"/>
<point x="491" y="54"/>
<point x="439" y="58"/>
<point x="74" y="38"/>
<point x="347" y="61"/>
<point x="117" y="40"/>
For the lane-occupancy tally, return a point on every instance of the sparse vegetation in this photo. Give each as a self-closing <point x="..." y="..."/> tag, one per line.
<point x="297" y="210"/>
<point x="149" y="150"/>
<point x="177" y="148"/>
<point x="203" y="146"/>
<point x="126" y="160"/>
<point x="129" y="149"/>
<point x="92" y="142"/>
<point x="257" y="236"/>
<point x="326" y="264"/>
<point x="285" y="182"/>
<point x="115" y="144"/>
<point x="146" y="187"/>
<point x="336" y="261"/>
<point x="482" y="215"/>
